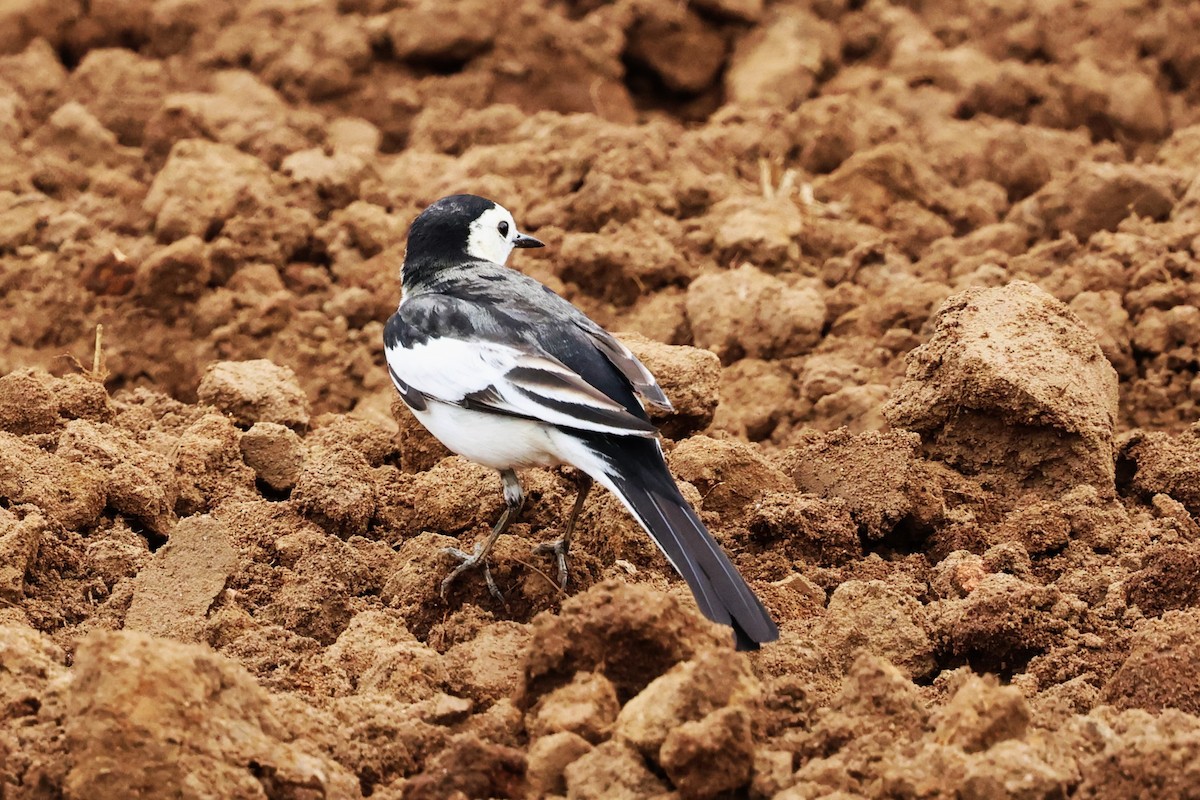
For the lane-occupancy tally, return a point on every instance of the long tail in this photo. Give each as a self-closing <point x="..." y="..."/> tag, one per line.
<point x="634" y="470"/>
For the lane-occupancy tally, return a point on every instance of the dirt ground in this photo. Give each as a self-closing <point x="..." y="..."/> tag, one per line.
<point x="921" y="278"/>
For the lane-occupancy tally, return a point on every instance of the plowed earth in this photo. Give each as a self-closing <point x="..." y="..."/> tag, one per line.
<point x="921" y="279"/>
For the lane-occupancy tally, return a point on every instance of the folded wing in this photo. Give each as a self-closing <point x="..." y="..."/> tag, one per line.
<point x="634" y="370"/>
<point x="507" y="379"/>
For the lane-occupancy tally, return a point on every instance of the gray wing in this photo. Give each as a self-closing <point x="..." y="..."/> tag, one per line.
<point x="627" y="363"/>
<point x="448" y="350"/>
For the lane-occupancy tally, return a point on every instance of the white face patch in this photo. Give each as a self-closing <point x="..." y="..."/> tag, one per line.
<point x="492" y="235"/>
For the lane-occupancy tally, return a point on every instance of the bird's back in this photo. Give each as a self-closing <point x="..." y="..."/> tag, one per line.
<point x="482" y="301"/>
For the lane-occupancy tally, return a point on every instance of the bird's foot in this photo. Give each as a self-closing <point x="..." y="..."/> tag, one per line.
<point x="559" y="548"/>
<point x="470" y="561"/>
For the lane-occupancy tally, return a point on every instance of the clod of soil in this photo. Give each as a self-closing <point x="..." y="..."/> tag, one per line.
<point x="1012" y="384"/>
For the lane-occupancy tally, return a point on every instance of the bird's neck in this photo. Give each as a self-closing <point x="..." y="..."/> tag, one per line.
<point x="420" y="271"/>
<point x="422" y="274"/>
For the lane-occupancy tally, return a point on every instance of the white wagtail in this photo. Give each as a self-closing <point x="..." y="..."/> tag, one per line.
<point x="510" y="375"/>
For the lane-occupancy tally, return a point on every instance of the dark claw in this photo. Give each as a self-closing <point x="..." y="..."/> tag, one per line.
<point x="470" y="561"/>
<point x="491" y="584"/>
<point x="559" y="548"/>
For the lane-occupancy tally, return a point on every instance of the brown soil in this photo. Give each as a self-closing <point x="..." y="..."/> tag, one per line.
<point x="946" y="258"/>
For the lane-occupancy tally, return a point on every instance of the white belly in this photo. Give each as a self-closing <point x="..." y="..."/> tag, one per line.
<point x="494" y="440"/>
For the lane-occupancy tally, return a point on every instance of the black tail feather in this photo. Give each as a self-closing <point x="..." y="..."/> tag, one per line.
<point x="721" y="593"/>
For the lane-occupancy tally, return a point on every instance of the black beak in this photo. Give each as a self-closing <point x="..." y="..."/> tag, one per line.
<point x="525" y="240"/>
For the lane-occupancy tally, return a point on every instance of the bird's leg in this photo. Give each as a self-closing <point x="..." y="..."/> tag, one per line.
<point x="514" y="498"/>
<point x="559" y="547"/>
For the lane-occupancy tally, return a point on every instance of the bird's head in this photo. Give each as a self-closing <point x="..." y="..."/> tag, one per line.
<point x="465" y="225"/>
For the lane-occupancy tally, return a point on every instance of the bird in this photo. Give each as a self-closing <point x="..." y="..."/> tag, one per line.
<point x="507" y="373"/>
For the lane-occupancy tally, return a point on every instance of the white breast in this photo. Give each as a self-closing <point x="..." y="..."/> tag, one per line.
<point x="502" y="442"/>
<point x="494" y="440"/>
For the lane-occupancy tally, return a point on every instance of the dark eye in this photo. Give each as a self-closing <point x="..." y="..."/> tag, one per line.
<point x="503" y="228"/>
